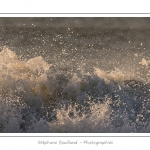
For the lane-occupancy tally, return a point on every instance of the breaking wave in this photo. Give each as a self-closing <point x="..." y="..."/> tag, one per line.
<point x="35" y="96"/>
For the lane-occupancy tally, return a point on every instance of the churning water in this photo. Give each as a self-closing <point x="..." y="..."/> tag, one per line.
<point x="74" y="75"/>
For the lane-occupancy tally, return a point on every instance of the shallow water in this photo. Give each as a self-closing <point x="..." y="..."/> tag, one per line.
<point x="74" y="75"/>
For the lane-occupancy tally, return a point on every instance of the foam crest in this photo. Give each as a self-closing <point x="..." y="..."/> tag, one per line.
<point x="16" y="73"/>
<point x="116" y="76"/>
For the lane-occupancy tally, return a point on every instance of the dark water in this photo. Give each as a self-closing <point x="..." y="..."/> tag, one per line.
<point x="74" y="75"/>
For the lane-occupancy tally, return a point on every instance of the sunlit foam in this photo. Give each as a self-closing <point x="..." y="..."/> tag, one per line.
<point x="33" y="94"/>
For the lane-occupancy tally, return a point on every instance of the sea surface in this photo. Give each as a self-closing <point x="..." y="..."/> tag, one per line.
<point x="74" y="75"/>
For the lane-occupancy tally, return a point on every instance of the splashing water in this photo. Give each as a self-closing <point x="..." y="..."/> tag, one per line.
<point x="37" y="97"/>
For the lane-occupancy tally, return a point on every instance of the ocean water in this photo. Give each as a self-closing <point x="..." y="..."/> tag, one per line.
<point x="74" y="75"/>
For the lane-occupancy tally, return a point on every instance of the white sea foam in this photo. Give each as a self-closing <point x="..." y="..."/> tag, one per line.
<point x="144" y="62"/>
<point x="34" y="94"/>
